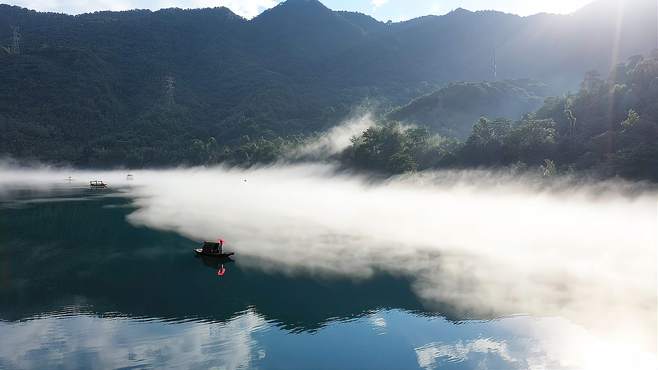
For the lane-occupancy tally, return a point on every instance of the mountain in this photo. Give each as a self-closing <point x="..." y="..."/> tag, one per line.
<point x="305" y="30"/>
<point x="452" y="110"/>
<point x="609" y="129"/>
<point x="137" y="87"/>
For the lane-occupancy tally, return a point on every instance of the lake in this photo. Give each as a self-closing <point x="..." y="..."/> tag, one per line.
<point x="329" y="275"/>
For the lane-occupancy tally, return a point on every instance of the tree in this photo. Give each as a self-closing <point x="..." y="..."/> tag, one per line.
<point x="548" y="169"/>
<point x="592" y="82"/>
<point x="531" y="141"/>
<point x="631" y="120"/>
<point x="485" y="145"/>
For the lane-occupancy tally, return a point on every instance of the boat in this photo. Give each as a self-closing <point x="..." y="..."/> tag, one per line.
<point x="212" y="249"/>
<point x="97" y="185"/>
<point x="200" y="252"/>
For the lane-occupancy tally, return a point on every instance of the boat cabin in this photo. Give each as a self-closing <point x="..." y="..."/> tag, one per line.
<point x="211" y="247"/>
<point x="97" y="184"/>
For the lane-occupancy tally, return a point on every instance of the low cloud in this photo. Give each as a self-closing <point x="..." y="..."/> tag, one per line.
<point x="485" y="243"/>
<point x="335" y="140"/>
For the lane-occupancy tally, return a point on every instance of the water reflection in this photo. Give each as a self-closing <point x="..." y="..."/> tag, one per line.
<point x="79" y="285"/>
<point x="91" y="342"/>
<point x="84" y="254"/>
<point x="221" y="266"/>
<point x="485" y="244"/>
<point x="248" y="340"/>
<point x="432" y="355"/>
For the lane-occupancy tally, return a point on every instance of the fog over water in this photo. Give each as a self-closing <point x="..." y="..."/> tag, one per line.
<point x="487" y="244"/>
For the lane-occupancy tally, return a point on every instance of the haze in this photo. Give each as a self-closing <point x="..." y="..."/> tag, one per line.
<point x="397" y="10"/>
<point x="487" y="244"/>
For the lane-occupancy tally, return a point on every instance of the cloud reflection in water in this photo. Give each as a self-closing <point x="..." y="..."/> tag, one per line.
<point x="482" y="242"/>
<point x="82" y="341"/>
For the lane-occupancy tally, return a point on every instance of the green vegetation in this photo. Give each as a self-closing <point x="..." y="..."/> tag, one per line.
<point x="393" y="148"/>
<point x="142" y="88"/>
<point x="451" y="110"/>
<point x="610" y="127"/>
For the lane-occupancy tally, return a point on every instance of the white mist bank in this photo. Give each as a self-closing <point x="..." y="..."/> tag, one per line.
<point x="477" y="241"/>
<point x="335" y="140"/>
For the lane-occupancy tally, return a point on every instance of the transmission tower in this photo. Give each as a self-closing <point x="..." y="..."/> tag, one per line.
<point x="170" y="87"/>
<point x="16" y="42"/>
<point x="494" y="65"/>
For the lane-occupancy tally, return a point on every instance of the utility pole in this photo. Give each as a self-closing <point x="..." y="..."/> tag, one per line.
<point x="16" y="41"/>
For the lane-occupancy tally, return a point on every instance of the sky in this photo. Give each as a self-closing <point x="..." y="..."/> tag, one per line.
<point x="384" y="10"/>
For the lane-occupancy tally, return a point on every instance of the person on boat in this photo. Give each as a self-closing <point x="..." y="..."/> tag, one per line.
<point x="221" y="245"/>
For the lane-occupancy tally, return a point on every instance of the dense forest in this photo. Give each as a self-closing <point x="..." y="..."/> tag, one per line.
<point x="451" y="110"/>
<point x="142" y="88"/>
<point x="608" y="128"/>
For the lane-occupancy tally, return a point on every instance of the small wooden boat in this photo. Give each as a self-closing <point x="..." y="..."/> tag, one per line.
<point x="211" y="249"/>
<point x="97" y="185"/>
<point x="200" y="252"/>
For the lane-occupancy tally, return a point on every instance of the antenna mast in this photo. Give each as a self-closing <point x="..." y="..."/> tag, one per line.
<point x="170" y="86"/>
<point x="494" y="65"/>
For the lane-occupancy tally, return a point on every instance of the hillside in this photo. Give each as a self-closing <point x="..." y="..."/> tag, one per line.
<point x="139" y="87"/>
<point x="608" y="129"/>
<point x="452" y="110"/>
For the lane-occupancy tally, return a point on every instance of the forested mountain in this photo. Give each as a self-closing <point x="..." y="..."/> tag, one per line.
<point x="609" y="128"/>
<point x="452" y="110"/>
<point x="145" y="88"/>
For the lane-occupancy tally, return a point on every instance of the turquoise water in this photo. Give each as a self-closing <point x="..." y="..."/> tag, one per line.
<point x="82" y="288"/>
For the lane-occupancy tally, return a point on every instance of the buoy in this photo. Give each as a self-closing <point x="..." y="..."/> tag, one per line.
<point x="221" y="271"/>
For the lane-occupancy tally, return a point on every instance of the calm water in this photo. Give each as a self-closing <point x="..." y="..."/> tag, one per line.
<point x="82" y="288"/>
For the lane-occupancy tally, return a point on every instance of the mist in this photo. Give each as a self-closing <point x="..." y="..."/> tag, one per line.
<point x="485" y="243"/>
<point x="333" y="141"/>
